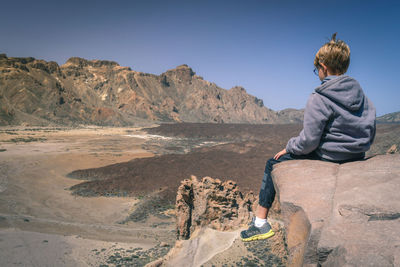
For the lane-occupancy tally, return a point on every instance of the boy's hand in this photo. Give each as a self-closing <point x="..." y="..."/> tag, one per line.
<point x="280" y="153"/>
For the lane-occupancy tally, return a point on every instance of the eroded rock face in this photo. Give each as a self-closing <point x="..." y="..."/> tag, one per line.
<point x="210" y="202"/>
<point x="353" y="210"/>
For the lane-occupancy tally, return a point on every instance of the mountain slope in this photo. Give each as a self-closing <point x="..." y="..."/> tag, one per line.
<point x="389" y="118"/>
<point x="104" y="93"/>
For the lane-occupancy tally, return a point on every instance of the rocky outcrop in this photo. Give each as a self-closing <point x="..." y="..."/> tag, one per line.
<point x="212" y="203"/>
<point x="102" y="92"/>
<point x="210" y="216"/>
<point x="393" y="149"/>
<point x="341" y="215"/>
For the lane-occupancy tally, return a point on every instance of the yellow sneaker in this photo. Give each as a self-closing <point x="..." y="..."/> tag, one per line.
<point x="257" y="233"/>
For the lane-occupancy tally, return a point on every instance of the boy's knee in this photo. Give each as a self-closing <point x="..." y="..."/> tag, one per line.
<point x="269" y="164"/>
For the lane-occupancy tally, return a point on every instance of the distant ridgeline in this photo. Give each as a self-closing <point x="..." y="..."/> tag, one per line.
<point x="389" y="118"/>
<point x="99" y="92"/>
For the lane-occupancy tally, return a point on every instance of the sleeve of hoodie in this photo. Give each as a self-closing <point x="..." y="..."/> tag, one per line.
<point x="316" y="115"/>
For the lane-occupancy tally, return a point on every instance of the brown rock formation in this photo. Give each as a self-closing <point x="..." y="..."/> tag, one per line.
<point x="210" y="202"/>
<point x="393" y="149"/>
<point x="210" y="216"/>
<point x="341" y="215"/>
<point x="102" y="92"/>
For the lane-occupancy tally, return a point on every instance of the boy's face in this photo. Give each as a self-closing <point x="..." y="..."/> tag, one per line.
<point x="322" y="71"/>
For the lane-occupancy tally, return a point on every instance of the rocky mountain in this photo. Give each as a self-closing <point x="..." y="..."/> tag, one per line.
<point x="389" y="118"/>
<point x="36" y="92"/>
<point x="291" y="115"/>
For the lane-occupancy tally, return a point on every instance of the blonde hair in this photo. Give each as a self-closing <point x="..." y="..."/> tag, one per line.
<point x="335" y="54"/>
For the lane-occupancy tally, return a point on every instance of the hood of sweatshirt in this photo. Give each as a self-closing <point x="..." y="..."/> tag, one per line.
<point x="343" y="90"/>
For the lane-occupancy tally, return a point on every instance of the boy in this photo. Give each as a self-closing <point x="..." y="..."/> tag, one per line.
<point x="339" y="126"/>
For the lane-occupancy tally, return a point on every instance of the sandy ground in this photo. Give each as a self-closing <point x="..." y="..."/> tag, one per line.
<point x="41" y="223"/>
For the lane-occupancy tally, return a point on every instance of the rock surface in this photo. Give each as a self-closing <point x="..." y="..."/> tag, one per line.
<point x="198" y="250"/>
<point x="341" y="215"/>
<point x="210" y="202"/>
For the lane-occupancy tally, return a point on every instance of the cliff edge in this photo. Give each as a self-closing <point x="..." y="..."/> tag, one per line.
<point x="341" y="214"/>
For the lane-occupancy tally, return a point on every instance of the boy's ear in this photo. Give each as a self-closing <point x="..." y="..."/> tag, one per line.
<point x="327" y="71"/>
<point x="324" y="66"/>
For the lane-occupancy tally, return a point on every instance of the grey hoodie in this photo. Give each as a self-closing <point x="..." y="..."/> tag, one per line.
<point x="339" y="121"/>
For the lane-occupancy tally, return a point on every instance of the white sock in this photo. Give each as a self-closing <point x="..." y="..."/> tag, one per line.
<point x="259" y="222"/>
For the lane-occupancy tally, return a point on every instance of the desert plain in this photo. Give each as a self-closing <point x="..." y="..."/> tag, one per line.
<point x="42" y="223"/>
<point x="104" y="196"/>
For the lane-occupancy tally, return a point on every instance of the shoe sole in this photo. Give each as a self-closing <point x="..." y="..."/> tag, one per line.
<point x="259" y="237"/>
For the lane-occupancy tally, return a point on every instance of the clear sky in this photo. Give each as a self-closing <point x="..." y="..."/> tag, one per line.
<point x="268" y="47"/>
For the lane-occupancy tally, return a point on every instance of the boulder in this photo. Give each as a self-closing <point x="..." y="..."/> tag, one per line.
<point x="393" y="149"/>
<point x="341" y="214"/>
<point x="212" y="203"/>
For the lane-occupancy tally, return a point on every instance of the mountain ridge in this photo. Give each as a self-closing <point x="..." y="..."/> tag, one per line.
<point x="393" y="117"/>
<point x="101" y="92"/>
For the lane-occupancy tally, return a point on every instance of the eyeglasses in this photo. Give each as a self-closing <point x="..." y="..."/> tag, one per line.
<point x="316" y="70"/>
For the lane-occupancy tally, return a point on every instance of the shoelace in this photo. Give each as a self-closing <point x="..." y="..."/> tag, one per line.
<point x="252" y="221"/>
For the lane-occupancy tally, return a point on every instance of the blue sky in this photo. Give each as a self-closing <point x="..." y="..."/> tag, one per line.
<point x="268" y="47"/>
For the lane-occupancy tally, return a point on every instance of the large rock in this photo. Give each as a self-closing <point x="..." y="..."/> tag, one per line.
<point x="212" y="203"/>
<point x="341" y="215"/>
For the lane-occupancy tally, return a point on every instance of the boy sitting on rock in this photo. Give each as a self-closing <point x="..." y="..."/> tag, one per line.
<point x="339" y="126"/>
